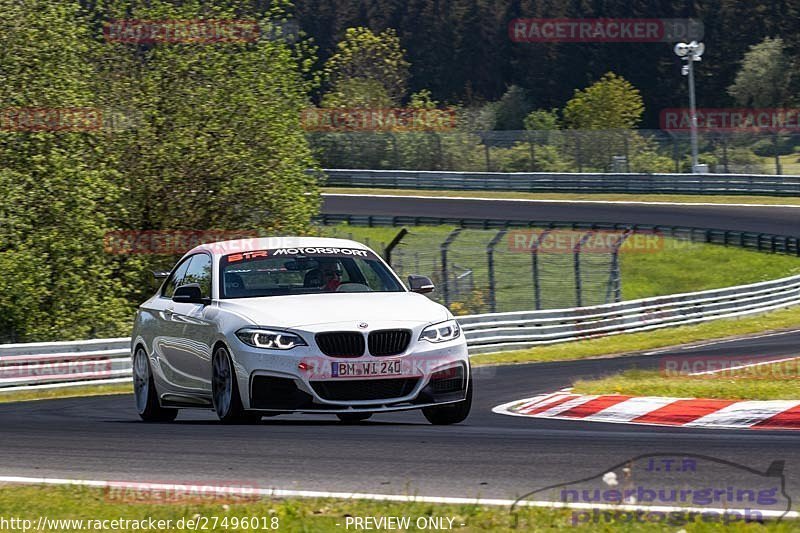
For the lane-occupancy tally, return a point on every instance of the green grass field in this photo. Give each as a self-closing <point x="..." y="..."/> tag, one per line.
<point x="312" y="515"/>
<point x="649" y="340"/>
<point x="651" y="267"/>
<point x="778" y="381"/>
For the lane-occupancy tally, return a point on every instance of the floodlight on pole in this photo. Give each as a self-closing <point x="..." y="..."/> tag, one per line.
<point x="691" y="52"/>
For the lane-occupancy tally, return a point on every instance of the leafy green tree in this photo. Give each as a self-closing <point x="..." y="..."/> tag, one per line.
<point x="765" y="81"/>
<point x="58" y="190"/>
<point x="512" y="108"/>
<point x="376" y="60"/>
<point x="765" y="77"/>
<point x="610" y="103"/>
<point x="542" y="120"/>
<point x="611" y="107"/>
<point x="218" y="144"/>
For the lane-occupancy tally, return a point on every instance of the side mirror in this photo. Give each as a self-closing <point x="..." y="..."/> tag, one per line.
<point x="189" y="294"/>
<point x="420" y="284"/>
<point x="161" y="274"/>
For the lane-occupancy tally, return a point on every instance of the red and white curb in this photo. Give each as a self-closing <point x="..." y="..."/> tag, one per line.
<point x="659" y="411"/>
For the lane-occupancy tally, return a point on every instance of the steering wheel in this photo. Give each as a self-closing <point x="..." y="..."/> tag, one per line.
<point x="353" y="286"/>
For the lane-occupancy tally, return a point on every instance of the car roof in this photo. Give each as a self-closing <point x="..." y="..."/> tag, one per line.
<point x="221" y="248"/>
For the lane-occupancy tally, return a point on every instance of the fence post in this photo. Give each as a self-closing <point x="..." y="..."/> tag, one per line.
<point x="445" y="283"/>
<point x="576" y="258"/>
<point x="615" y="276"/>
<point x="675" y="156"/>
<point x="537" y="296"/>
<point x="725" y="153"/>
<point x="775" y="142"/>
<point x="490" y="260"/>
<point x="391" y="246"/>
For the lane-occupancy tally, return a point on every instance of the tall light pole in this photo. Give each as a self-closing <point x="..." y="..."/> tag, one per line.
<point x="690" y="53"/>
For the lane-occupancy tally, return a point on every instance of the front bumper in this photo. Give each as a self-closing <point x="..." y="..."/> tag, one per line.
<point x="300" y="380"/>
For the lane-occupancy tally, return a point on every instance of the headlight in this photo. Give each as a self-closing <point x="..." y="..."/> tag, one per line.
<point x="441" y="332"/>
<point x="271" y="339"/>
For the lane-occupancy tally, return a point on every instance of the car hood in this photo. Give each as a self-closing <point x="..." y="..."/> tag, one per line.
<point x="310" y="309"/>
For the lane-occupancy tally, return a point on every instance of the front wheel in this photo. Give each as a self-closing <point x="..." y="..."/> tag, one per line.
<point x="144" y="391"/>
<point x="225" y="391"/>
<point x="451" y="413"/>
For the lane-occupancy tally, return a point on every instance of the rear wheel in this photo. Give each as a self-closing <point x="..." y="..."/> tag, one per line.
<point x="144" y="391"/>
<point x="452" y="413"/>
<point x="353" y="418"/>
<point x="225" y="391"/>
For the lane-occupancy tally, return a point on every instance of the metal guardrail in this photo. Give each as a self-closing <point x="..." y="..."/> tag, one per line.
<point x="102" y="361"/>
<point x="44" y="365"/>
<point x="493" y="332"/>
<point x="733" y="184"/>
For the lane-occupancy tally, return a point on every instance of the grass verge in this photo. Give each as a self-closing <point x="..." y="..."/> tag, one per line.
<point x="678" y="198"/>
<point x="69" y="392"/>
<point x="650" y="265"/>
<point x="81" y="503"/>
<point x="778" y="381"/>
<point x="637" y="342"/>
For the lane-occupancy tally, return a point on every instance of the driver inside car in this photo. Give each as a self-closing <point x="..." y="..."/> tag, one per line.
<point x="331" y="276"/>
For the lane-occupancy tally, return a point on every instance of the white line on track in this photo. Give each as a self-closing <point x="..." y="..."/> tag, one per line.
<point x="535" y="201"/>
<point x="281" y="493"/>
<point x="714" y="343"/>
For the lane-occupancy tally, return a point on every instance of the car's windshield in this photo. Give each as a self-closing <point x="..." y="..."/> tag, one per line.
<point x="306" y="270"/>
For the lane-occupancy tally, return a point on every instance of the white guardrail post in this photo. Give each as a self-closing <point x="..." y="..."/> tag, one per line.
<point x="101" y="361"/>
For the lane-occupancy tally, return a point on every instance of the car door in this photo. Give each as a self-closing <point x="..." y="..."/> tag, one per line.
<point x="167" y="332"/>
<point x="190" y="355"/>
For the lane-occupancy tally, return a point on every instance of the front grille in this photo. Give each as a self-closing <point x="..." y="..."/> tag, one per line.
<point x="389" y="341"/>
<point x="450" y="380"/>
<point x="341" y="343"/>
<point x="364" y="389"/>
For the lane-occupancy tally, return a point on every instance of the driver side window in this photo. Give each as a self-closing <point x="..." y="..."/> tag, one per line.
<point x="175" y="279"/>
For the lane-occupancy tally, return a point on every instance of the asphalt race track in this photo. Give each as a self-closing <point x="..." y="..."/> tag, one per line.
<point x="489" y="455"/>
<point x="778" y="220"/>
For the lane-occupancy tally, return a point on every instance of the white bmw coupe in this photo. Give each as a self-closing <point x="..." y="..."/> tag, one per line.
<point x="265" y="326"/>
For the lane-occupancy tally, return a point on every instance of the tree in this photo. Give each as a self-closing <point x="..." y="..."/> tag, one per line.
<point x="764" y="81"/>
<point x="58" y="190"/>
<point x="364" y="59"/>
<point x="765" y="77"/>
<point x="512" y="108"/>
<point x="610" y="103"/>
<point x="542" y="120"/>
<point x="613" y="107"/>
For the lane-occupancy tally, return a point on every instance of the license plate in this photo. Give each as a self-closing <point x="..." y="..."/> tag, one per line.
<point x="365" y="368"/>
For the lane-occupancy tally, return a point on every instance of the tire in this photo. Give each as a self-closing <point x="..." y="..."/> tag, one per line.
<point x="353" y="418"/>
<point x="144" y="391"/>
<point x="225" y="391"/>
<point x="451" y="413"/>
